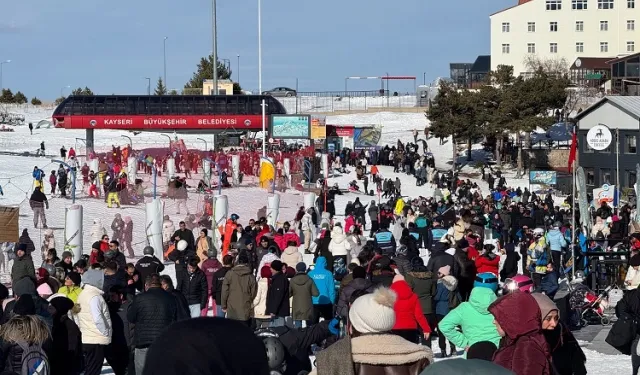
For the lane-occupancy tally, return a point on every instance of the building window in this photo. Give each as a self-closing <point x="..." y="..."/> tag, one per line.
<point x="631" y="46"/>
<point x="579" y="25"/>
<point x="591" y="177"/>
<point x="553" y="26"/>
<point x="555" y="4"/>
<point x="631" y="4"/>
<point x="605" y="176"/>
<point x="531" y="27"/>
<point x="531" y="48"/>
<point x="505" y="27"/>
<point x="631" y="25"/>
<point x="630" y="144"/>
<point x="579" y="47"/>
<point x="631" y="179"/>
<point x="506" y="48"/>
<point x="579" y="4"/>
<point x="605" y="4"/>
<point x="553" y="47"/>
<point x="604" y="25"/>
<point x="604" y="47"/>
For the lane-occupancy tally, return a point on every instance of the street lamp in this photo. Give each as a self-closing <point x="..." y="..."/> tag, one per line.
<point x="263" y="104"/>
<point x="227" y="63"/>
<point x="166" y="135"/>
<point x="2" y="63"/>
<point x="205" y="143"/>
<point x="214" y="27"/>
<point x="130" y="141"/>
<point x="164" y="54"/>
<point x="62" y="90"/>
<point x="148" y="85"/>
<point x="238" y="70"/>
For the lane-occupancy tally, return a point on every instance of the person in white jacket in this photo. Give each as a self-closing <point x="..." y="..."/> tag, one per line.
<point x="339" y="248"/>
<point x="94" y="321"/>
<point x="308" y="229"/>
<point x="168" y="229"/>
<point x="97" y="230"/>
<point x="633" y="273"/>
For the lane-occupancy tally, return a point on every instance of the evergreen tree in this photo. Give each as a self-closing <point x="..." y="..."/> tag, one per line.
<point x="59" y="100"/>
<point x="82" y="91"/>
<point x="36" y="101"/>
<point x="173" y="92"/>
<point x="19" y="98"/>
<point x="7" y="96"/>
<point x="160" y="88"/>
<point x="205" y="71"/>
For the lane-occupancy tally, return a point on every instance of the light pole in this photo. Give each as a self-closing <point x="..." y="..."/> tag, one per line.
<point x="165" y="135"/>
<point x="238" y="70"/>
<point x="148" y="85"/>
<point x="214" y="25"/>
<point x="130" y="141"/>
<point x="164" y="59"/>
<point x="264" y="104"/>
<point x="205" y="143"/>
<point x="2" y="63"/>
<point x="62" y="90"/>
<point x="227" y="63"/>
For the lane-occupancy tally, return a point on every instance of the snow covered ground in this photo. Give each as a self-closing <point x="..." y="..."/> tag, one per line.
<point x="15" y="179"/>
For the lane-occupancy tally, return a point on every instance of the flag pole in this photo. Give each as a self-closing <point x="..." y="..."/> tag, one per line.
<point x="574" y="201"/>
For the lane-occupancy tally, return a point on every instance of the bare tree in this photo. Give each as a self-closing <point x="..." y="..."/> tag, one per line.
<point x="552" y="65"/>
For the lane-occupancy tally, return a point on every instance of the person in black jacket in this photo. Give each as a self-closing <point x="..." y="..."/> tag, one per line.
<point x="194" y="287"/>
<point x="278" y="295"/>
<point x="66" y="355"/>
<point x="115" y="254"/>
<point x="149" y="264"/>
<point x="297" y="342"/>
<point x="510" y="268"/>
<point x="113" y="276"/>
<point x="185" y="234"/>
<point x="119" y="353"/>
<point x="152" y="312"/>
<point x="218" y="279"/>
<point x="183" y="306"/>
<point x="440" y="258"/>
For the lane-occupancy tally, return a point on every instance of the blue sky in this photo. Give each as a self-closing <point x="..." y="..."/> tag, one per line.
<point x="112" y="45"/>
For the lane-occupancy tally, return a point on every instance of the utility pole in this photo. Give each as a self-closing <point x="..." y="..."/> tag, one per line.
<point x="214" y="90"/>
<point x="148" y="85"/>
<point x="164" y="54"/>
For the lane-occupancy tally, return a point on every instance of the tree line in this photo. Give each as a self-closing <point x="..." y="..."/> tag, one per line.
<point x="8" y="97"/>
<point x="503" y="105"/>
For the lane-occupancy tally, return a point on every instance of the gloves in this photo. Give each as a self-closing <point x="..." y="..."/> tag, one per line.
<point x="334" y="326"/>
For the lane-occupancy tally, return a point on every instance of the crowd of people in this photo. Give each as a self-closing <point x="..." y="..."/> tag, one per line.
<point x="473" y="271"/>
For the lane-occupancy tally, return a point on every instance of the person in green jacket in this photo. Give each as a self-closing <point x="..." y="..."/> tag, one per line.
<point x="473" y="319"/>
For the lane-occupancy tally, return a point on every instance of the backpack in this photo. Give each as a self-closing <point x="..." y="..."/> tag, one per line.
<point x="34" y="360"/>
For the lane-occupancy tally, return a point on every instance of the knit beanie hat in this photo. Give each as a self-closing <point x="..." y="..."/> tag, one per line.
<point x="75" y="278"/>
<point x="635" y="260"/>
<point x="445" y="270"/>
<point x="545" y="304"/>
<point x="301" y="267"/>
<point x="25" y="306"/>
<point x="373" y="312"/>
<point x="44" y="290"/>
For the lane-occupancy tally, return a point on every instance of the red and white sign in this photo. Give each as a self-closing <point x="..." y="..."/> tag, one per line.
<point x="200" y="122"/>
<point x="344" y="132"/>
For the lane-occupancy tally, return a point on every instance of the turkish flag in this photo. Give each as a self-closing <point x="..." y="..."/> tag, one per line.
<point x="574" y="148"/>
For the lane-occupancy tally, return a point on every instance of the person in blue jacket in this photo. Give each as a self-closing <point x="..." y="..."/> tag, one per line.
<point x="436" y="233"/>
<point x="556" y="242"/>
<point x="385" y="241"/>
<point x="323" y="303"/>
<point x="422" y="228"/>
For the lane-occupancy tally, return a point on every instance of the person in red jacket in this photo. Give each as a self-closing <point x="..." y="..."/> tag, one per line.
<point x="409" y="314"/>
<point x="488" y="261"/>
<point x="229" y="228"/>
<point x="523" y="349"/>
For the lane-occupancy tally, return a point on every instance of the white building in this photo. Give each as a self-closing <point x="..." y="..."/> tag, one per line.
<point x="564" y="29"/>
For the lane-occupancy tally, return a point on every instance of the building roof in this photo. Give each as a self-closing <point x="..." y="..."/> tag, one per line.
<point x="622" y="58"/>
<point x="592" y="63"/>
<point x="481" y="65"/>
<point x="627" y="104"/>
<point x="520" y="2"/>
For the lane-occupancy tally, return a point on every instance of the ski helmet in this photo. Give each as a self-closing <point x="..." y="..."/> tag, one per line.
<point x="275" y="352"/>
<point x="148" y="250"/>
<point x="486" y="280"/>
<point x="518" y="282"/>
<point x="234" y="217"/>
